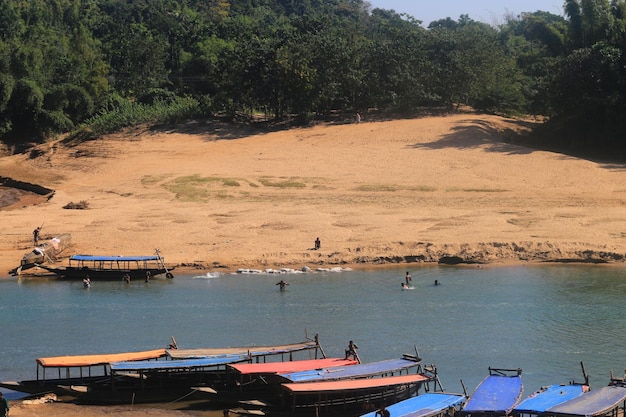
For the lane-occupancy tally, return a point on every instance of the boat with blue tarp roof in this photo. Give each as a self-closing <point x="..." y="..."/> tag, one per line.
<point x="496" y="395"/>
<point x="100" y="268"/>
<point x="430" y="404"/>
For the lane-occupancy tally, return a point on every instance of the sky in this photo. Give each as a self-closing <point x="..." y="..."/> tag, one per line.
<point x="487" y="11"/>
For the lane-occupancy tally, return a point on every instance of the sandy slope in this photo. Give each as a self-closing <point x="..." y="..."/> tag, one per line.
<point x="392" y="191"/>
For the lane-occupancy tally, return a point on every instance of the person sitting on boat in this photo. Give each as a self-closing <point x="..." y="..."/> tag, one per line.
<point x="382" y="412"/>
<point x="282" y="284"/>
<point x="351" y="351"/>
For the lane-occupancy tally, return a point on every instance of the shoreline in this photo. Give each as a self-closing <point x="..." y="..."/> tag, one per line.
<point x="482" y="255"/>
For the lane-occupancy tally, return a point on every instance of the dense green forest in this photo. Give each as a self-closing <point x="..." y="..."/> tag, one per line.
<point x="93" y="66"/>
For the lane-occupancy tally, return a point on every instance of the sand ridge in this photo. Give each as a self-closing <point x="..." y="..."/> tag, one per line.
<point x="429" y="189"/>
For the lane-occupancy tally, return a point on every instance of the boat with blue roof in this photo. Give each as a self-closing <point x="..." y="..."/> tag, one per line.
<point x="112" y="268"/>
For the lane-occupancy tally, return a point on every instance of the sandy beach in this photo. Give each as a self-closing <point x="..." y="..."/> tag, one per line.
<point x="214" y="197"/>
<point x="454" y="188"/>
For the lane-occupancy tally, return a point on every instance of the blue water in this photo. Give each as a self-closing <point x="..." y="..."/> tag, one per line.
<point x="543" y="319"/>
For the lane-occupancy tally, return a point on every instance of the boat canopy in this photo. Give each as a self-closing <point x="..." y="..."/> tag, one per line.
<point x="93" y="360"/>
<point x="424" y="405"/>
<point x="548" y="397"/>
<point x="244" y="350"/>
<point x="388" y="366"/>
<point x="496" y="394"/>
<point x="290" y="366"/>
<point x="593" y="403"/>
<point x="352" y="384"/>
<point x="96" y="258"/>
<point x="176" y="364"/>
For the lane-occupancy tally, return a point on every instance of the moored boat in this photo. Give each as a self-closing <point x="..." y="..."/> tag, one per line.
<point x="496" y="395"/>
<point x="47" y="251"/>
<point x="430" y="404"/>
<point x="388" y="367"/>
<point x="349" y="396"/>
<point x="112" y="268"/>
<point x="57" y="371"/>
<point x="606" y="401"/>
<point x="540" y="401"/>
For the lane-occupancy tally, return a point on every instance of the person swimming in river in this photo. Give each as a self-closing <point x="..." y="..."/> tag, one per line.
<point x="282" y="284"/>
<point x="405" y="286"/>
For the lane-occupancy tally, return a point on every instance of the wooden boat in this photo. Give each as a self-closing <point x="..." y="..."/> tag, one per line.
<point x="48" y="250"/>
<point x="606" y="401"/>
<point x="154" y="381"/>
<point x="388" y="367"/>
<point x="550" y="396"/>
<point x="53" y="372"/>
<point x="430" y="404"/>
<point x="311" y="347"/>
<point x="547" y="397"/>
<point x="100" y="268"/>
<point x="349" y="396"/>
<point x="496" y="395"/>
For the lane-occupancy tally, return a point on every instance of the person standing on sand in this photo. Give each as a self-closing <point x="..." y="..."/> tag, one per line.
<point x="4" y="406"/>
<point x="36" y="235"/>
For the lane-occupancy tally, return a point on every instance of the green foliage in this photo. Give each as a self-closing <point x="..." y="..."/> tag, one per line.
<point x="124" y="113"/>
<point x="102" y="65"/>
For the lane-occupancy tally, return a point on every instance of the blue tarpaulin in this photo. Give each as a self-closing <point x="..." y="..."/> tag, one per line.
<point x="593" y="403"/>
<point x="550" y="396"/>
<point x="423" y="405"/>
<point x="496" y="394"/>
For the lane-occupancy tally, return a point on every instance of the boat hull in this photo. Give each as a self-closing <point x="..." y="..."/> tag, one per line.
<point x="72" y="273"/>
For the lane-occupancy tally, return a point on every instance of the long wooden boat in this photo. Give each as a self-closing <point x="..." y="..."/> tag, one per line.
<point x="388" y="367"/>
<point x="154" y="381"/>
<point x="349" y="396"/>
<point x="537" y="403"/>
<point x="430" y="404"/>
<point x="112" y="268"/>
<point x="311" y="347"/>
<point x="496" y="395"/>
<point x="603" y="402"/>
<point x="53" y="372"/>
<point x="547" y="397"/>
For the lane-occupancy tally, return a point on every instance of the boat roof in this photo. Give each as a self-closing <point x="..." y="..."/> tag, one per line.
<point x="243" y="350"/>
<point x="593" y="403"/>
<point x="97" y="258"/>
<point x="290" y="366"/>
<point x="92" y="360"/>
<point x="360" y="370"/>
<point x="423" y="405"/>
<point x="352" y="384"/>
<point x="176" y="364"/>
<point x="549" y="396"/>
<point x="495" y="394"/>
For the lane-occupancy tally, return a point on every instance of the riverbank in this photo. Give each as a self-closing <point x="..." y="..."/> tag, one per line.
<point x="211" y="197"/>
